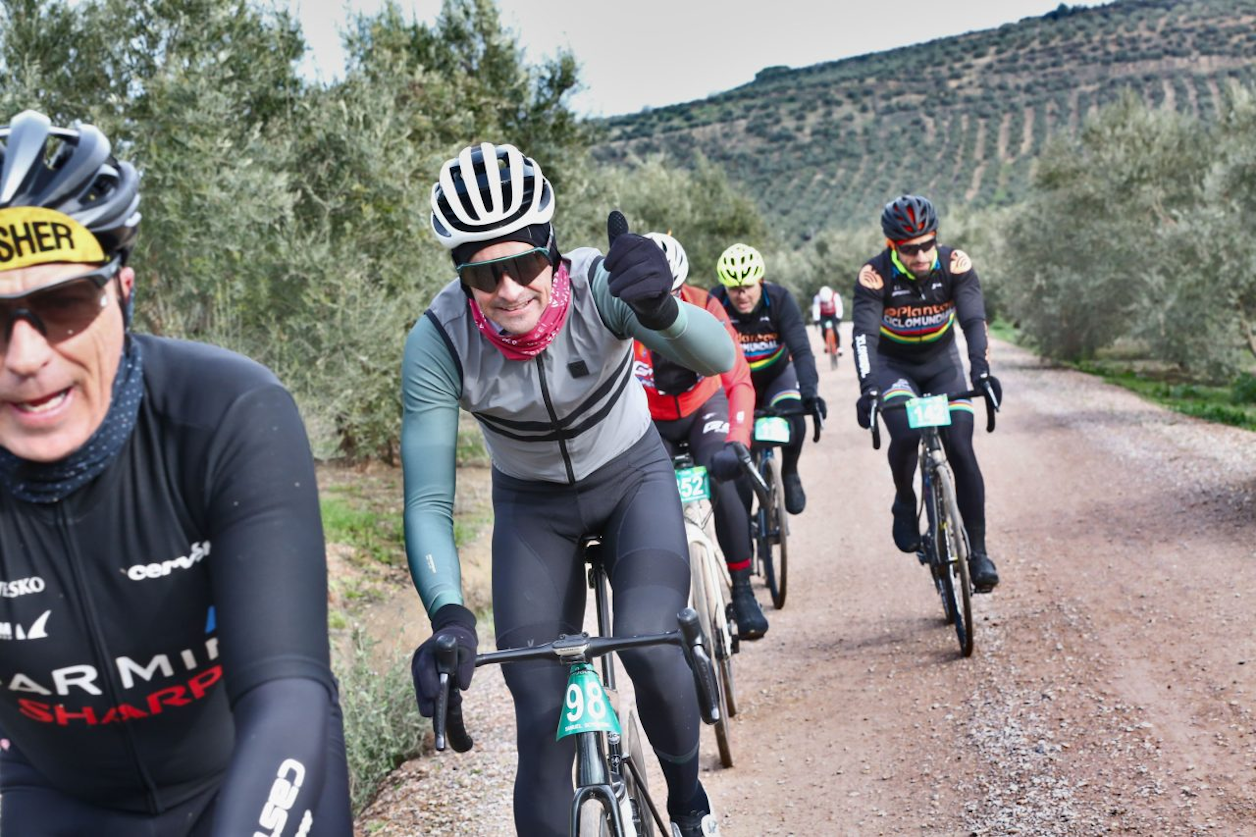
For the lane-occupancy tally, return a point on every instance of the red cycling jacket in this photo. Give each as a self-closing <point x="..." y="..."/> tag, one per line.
<point x="675" y="392"/>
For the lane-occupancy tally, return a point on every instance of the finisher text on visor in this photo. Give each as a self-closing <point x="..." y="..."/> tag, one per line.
<point x="31" y="235"/>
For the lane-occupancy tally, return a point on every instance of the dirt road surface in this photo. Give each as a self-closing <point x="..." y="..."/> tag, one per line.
<point x="1111" y="689"/>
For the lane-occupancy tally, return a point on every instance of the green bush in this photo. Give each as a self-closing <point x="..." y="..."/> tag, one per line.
<point x="1244" y="389"/>
<point x="383" y="727"/>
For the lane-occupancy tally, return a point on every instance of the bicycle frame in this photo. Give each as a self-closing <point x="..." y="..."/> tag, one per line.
<point x="599" y="768"/>
<point x="709" y="584"/>
<point x="944" y="551"/>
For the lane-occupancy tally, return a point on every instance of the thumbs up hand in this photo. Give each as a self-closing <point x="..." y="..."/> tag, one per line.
<point x="640" y="275"/>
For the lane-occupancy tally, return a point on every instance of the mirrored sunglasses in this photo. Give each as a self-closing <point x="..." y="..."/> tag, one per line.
<point x="913" y="249"/>
<point x="523" y="267"/>
<point x="60" y="310"/>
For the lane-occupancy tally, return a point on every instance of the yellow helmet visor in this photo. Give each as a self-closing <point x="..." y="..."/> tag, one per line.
<point x="31" y="235"/>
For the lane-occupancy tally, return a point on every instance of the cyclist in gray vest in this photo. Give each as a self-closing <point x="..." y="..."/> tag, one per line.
<point x="537" y="345"/>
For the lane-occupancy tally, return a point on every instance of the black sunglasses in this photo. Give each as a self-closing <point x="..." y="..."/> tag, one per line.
<point x="523" y="267"/>
<point x="913" y="249"/>
<point x="62" y="309"/>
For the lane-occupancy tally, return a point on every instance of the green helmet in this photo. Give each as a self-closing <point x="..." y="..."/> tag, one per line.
<point x="740" y="265"/>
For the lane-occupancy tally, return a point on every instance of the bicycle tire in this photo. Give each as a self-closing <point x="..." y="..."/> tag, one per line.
<point x="776" y="566"/>
<point x="709" y="603"/>
<point x="637" y="791"/>
<point x="763" y="547"/>
<point x="935" y="552"/>
<point x="956" y="541"/>
<point x="759" y="529"/>
<point x="594" y="821"/>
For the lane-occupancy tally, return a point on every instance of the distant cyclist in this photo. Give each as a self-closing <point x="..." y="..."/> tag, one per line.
<point x="774" y="339"/>
<point x="537" y="345"/>
<point x="715" y="416"/>
<point x="163" y="602"/>
<point x="826" y="313"/>
<point x="906" y="303"/>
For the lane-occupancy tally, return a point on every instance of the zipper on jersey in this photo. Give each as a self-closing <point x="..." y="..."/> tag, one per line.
<point x="103" y="657"/>
<point x="549" y="406"/>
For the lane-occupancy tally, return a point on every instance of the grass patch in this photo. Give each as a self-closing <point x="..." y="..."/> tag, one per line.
<point x="383" y="727"/>
<point x="349" y="519"/>
<point x="1221" y="404"/>
<point x="1003" y="330"/>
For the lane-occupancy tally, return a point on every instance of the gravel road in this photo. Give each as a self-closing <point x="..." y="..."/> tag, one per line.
<point x="1111" y="690"/>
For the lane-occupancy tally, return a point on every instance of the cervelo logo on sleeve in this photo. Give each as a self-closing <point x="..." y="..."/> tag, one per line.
<point x="32" y="235"/>
<point x="139" y="572"/>
<point x="21" y="587"/>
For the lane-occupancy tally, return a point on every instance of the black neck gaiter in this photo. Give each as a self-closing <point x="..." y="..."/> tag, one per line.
<point x="52" y="482"/>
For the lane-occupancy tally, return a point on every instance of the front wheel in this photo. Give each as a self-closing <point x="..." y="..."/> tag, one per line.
<point x="774" y="542"/>
<point x="708" y="600"/>
<point x="951" y="533"/>
<point x="634" y="777"/>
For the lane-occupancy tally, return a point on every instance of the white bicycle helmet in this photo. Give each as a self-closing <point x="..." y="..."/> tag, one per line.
<point x="70" y="170"/>
<point x="486" y="192"/>
<point x="676" y="258"/>
<point x="826" y="294"/>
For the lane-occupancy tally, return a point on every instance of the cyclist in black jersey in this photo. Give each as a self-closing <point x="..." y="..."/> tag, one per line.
<point x="774" y="340"/>
<point x="163" y="626"/>
<point x="907" y="301"/>
<point x="538" y="346"/>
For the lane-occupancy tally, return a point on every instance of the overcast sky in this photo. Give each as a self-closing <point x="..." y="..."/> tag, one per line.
<point x="649" y="53"/>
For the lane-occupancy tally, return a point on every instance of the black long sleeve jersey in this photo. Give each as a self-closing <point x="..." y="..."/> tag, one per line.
<point x="136" y="612"/>
<point x="901" y="317"/>
<point x="772" y="335"/>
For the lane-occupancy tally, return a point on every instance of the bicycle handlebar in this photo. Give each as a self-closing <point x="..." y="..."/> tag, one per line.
<point x="992" y="407"/>
<point x="793" y="407"/>
<point x="448" y="723"/>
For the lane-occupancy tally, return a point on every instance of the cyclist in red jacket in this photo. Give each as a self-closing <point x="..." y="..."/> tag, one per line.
<point x="715" y="416"/>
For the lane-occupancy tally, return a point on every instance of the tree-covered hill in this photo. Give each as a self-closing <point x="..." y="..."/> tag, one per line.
<point x="961" y="119"/>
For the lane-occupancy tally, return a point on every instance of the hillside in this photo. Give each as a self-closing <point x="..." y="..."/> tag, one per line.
<point x="960" y="119"/>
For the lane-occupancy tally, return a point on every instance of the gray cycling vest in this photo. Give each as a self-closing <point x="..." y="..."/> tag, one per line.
<point x="563" y="414"/>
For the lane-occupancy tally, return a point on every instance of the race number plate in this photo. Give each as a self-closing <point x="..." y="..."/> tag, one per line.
<point x="586" y="708"/>
<point x="934" y="411"/>
<point x="771" y="429"/>
<point x="693" y="484"/>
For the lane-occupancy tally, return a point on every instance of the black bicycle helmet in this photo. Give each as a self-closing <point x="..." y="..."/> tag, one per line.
<point x="909" y="216"/>
<point x="72" y="171"/>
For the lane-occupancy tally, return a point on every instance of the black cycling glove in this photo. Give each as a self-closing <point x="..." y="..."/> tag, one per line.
<point x="458" y="622"/>
<point x="863" y="407"/>
<point x="640" y="275"/>
<point x="815" y="406"/>
<point x="980" y="380"/>
<point x="726" y="464"/>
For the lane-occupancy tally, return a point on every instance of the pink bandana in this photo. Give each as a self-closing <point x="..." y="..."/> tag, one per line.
<point x="525" y="346"/>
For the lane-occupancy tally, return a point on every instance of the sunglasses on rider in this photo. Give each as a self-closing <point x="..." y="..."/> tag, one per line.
<point x="60" y="310"/>
<point x="913" y="249"/>
<point x="523" y="267"/>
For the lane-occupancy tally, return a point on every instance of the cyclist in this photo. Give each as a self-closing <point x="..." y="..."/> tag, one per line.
<point x="906" y="302"/>
<point x="774" y="339"/>
<point x="715" y="416"/>
<point x="537" y="345"/>
<point x="163" y="609"/>
<point x="826" y="313"/>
